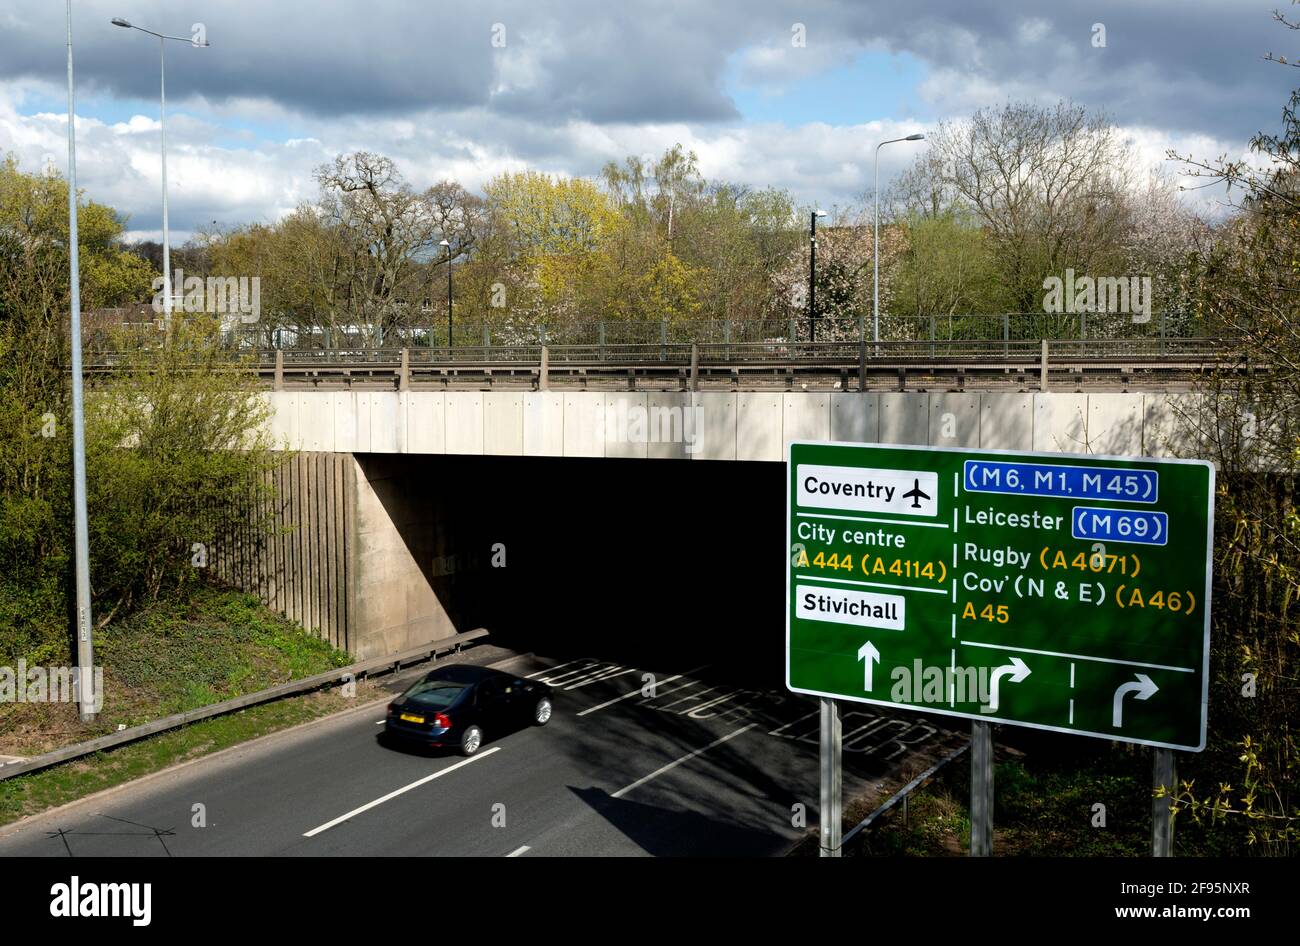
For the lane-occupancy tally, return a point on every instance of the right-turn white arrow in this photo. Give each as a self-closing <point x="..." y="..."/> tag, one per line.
<point x="1143" y="688"/>
<point x="1015" y="671"/>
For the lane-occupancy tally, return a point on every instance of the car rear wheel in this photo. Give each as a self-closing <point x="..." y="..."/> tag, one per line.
<point x="471" y="740"/>
<point x="542" y="712"/>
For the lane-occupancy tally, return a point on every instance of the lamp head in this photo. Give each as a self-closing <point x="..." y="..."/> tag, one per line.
<point x="118" y="21"/>
<point x="916" y="137"/>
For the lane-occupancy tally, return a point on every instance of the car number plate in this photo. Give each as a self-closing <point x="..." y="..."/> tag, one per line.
<point x="409" y="718"/>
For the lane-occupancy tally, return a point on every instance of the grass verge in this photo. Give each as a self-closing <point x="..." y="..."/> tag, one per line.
<point x="172" y="656"/>
<point x="1049" y="801"/>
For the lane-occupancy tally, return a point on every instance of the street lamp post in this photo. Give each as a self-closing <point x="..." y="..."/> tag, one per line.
<point x="812" y="273"/>
<point x="162" y="128"/>
<point x="875" y="247"/>
<point x="87" y="699"/>
<point x="446" y="244"/>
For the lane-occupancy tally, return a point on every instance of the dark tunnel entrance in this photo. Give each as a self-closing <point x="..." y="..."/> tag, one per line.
<point x="654" y="563"/>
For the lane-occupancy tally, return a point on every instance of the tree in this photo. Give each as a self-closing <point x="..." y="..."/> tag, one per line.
<point x="552" y="234"/>
<point x="384" y="228"/>
<point x="845" y="248"/>
<point x="1166" y="240"/>
<point x="169" y="446"/>
<point x="946" y="268"/>
<point x="1247" y="292"/>
<point x="1044" y="184"/>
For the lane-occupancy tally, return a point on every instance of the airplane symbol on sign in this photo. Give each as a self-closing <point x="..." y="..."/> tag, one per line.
<point x="916" y="494"/>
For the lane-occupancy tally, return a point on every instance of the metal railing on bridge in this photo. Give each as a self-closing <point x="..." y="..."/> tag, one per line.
<point x="612" y="335"/>
<point x="1018" y="351"/>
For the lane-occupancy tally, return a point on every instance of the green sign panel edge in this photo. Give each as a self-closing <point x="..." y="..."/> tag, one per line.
<point x="1055" y="459"/>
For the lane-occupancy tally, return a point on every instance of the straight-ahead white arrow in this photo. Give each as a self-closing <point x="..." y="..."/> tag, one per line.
<point x="868" y="653"/>
<point x="1017" y="670"/>
<point x="1143" y="688"/>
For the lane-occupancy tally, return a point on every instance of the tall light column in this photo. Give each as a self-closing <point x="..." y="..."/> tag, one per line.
<point x="162" y="128"/>
<point x="875" y="247"/>
<point x="87" y="699"/>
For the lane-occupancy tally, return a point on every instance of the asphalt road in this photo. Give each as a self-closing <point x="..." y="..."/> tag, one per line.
<point x="701" y="768"/>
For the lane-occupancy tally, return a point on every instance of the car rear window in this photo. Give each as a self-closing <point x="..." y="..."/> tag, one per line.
<point x="435" y="693"/>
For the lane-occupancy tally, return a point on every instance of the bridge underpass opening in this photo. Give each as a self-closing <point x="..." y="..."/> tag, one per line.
<point x="661" y="564"/>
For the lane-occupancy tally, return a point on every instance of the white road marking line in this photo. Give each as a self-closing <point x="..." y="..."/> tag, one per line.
<point x="628" y="696"/>
<point x="607" y="675"/>
<point x="401" y="791"/>
<point x="557" y="667"/>
<point x="380" y="722"/>
<point x="581" y="674"/>
<point x="711" y="703"/>
<point x="686" y="758"/>
<point x="793" y="721"/>
<point x="519" y="850"/>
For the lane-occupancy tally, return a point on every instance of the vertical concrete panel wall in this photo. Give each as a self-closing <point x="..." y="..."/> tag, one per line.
<point x="626" y="419"/>
<point x="716" y="414"/>
<point x="426" y="430"/>
<point x="674" y="429"/>
<point x="543" y="420"/>
<point x="503" y="423"/>
<point x="804" y="417"/>
<point x="1114" y="424"/>
<point x="1061" y="423"/>
<point x="904" y="419"/>
<point x="584" y="425"/>
<point x="349" y="548"/>
<point x="295" y="553"/>
<point x="1171" y="425"/>
<point x="1006" y="422"/>
<point x="758" y="426"/>
<point x="464" y="424"/>
<point x="855" y="417"/>
<point x="954" y="420"/>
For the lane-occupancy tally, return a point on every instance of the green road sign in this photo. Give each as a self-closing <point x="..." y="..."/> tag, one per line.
<point x="1061" y="592"/>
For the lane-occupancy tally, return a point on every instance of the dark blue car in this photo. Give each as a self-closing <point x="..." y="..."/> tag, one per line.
<point x="460" y="706"/>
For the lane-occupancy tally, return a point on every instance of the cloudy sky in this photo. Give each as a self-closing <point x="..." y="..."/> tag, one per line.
<point x="791" y="94"/>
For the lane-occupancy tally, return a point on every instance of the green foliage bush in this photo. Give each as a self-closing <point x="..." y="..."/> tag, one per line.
<point x="174" y="451"/>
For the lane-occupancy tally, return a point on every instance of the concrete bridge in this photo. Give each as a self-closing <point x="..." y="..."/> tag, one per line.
<point x="748" y="426"/>
<point x="397" y="505"/>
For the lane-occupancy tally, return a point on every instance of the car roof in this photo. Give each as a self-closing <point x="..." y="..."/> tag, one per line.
<point x="463" y="673"/>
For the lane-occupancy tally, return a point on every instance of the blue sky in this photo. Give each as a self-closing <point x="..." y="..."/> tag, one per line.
<point x="874" y="83"/>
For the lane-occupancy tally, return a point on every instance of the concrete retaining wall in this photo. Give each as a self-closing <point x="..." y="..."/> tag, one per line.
<point x="303" y="565"/>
